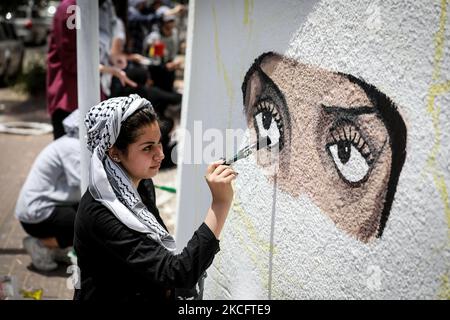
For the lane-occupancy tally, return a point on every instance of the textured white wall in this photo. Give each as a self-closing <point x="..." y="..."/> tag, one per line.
<point x="278" y="246"/>
<point x="224" y="38"/>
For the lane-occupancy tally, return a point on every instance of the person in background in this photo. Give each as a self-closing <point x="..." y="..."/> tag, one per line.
<point x="113" y="59"/>
<point x="62" y="97"/>
<point x="140" y="23"/>
<point x="163" y="74"/>
<point x="48" y="201"/>
<point x="143" y="19"/>
<point x="62" y="68"/>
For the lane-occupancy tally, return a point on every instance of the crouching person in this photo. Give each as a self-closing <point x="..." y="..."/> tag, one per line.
<point x="48" y="200"/>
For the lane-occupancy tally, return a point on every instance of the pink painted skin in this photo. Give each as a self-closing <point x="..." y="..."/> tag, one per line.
<point x="352" y="196"/>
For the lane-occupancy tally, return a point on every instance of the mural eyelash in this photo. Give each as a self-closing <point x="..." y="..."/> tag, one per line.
<point x="267" y="105"/>
<point x="265" y="113"/>
<point x="349" y="134"/>
<point x="350" y="153"/>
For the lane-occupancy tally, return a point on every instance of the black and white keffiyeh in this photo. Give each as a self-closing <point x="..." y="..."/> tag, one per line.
<point x="108" y="182"/>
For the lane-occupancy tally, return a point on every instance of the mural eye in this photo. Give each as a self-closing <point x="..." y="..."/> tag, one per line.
<point x="350" y="154"/>
<point x="268" y="122"/>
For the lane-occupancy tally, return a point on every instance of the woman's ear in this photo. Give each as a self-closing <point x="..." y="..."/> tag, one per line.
<point x="114" y="153"/>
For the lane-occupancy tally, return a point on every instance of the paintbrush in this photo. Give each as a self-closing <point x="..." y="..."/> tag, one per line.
<point x="248" y="150"/>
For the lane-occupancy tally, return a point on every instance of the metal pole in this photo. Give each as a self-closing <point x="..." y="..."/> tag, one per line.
<point x="88" y="73"/>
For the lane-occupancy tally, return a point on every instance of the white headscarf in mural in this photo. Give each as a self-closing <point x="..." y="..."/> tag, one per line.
<point x="108" y="182"/>
<point x="385" y="43"/>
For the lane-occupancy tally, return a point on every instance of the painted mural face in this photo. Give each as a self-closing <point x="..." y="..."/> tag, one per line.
<point x="341" y="141"/>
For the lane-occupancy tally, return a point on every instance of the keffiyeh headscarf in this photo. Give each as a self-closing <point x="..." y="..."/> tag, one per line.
<point x="108" y="182"/>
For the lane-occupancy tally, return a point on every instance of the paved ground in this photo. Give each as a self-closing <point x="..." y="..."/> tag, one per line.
<point x="17" y="155"/>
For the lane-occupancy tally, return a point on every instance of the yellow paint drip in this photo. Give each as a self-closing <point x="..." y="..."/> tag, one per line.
<point x="248" y="8"/>
<point x="440" y="88"/>
<point x="256" y="242"/>
<point x="263" y="245"/>
<point x="439" y="41"/>
<point x="221" y="68"/>
<point x="435" y="90"/>
<point x="220" y="64"/>
<point x="444" y="290"/>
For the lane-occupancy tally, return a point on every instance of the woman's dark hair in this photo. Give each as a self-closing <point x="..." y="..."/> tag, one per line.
<point x="129" y="131"/>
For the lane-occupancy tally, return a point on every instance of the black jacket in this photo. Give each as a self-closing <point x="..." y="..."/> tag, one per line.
<point x="117" y="263"/>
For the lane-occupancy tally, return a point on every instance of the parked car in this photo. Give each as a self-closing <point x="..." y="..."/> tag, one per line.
<point x="31" y="27"/>
<point x="11" y="51"/>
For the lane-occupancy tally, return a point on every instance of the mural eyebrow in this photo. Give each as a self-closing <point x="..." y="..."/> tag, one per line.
<point x="349" y="112"/>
